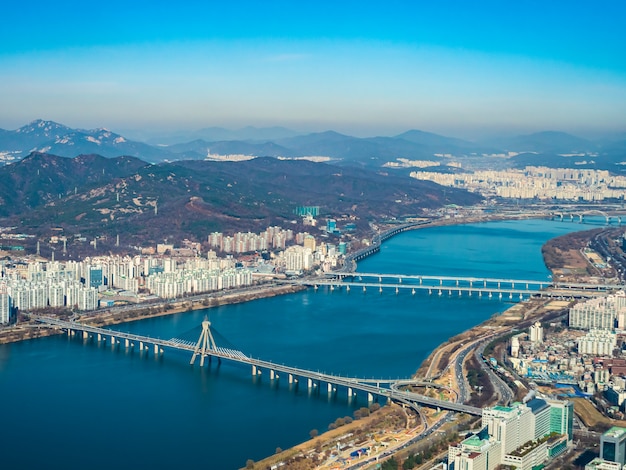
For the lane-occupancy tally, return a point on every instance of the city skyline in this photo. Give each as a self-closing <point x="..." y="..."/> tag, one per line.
<point x="361" y="69"/>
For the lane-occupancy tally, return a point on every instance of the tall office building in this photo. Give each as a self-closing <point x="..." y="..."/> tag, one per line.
<point x="613" y="445"/>
<point x="512" y="426"/>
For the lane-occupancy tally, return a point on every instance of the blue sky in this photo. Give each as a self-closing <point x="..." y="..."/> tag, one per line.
<point x="366" y="68"/>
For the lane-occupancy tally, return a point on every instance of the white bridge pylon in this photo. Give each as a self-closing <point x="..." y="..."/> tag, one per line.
<point x="205" y="345"/>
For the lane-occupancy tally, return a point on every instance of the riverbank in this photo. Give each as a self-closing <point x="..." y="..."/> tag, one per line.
<point x="31" y="330"/>
<point x="436" y="366"/>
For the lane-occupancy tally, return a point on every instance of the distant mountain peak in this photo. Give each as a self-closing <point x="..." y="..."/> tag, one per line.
<point x="41" y="126"/>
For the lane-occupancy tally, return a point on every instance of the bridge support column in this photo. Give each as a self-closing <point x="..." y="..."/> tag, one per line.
<point x="290" y="378"/>
<point x="99" y="337"/>
<point x="69" y="332"/>
<point x="370" y="397"/>
<point x="309" y="383"/>
<point x="141" y="345"/>
<point x="156" y="349"/>
<point x="254" y="370"/>
<point x="350" y="392"/>
<point x="85" y="335"/>
<point x="272" y="374"/>
<point x="126" y="343"/>
<point x="112" y="340"/>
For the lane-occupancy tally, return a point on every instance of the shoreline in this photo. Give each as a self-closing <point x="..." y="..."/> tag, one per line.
<point x="442" y="353"/>
<point x="30" y="330"/>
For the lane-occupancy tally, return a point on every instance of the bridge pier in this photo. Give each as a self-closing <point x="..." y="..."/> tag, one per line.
<point x="350" y="393"/>
<point x="156" y="349"/>
<point x="329" y="387"/>
<point x="290" y="378"/>
<point x="85" y="335"/>
<point x="141" y="345"/>
<point x="364" y="289"/>
<point x="272" y="374"/>
<point x="370" y="397"/>
<point x="126" y="343"/>
<point x="309" y="383"/>
<point x="112" y="340"/>
<point x="254" y="370"/>
<point x="99" y="336"/>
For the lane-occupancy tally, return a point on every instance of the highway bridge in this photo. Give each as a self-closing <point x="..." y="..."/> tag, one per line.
<point x="435" y="284"/>
<point x="205" y="347"/>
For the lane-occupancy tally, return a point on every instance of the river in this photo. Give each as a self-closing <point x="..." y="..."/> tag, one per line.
<point x="72" y="405"/>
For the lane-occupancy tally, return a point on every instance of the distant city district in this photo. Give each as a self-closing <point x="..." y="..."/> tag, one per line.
<point x="564" y="184"/>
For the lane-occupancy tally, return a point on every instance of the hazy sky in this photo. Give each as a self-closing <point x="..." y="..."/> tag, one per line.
<point x="366" y="68"/>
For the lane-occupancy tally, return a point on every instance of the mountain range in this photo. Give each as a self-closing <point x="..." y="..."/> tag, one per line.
<point x="145" y="203"/>
<point x="341" y="149"/>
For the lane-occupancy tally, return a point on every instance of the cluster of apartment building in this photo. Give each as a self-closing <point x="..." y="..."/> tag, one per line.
<point x="586" y="354"/>
<point x="246" y="242"/>
<point x="535" y="183"/>
<point x="523" y="436"/>
<point x="166" y="272"/>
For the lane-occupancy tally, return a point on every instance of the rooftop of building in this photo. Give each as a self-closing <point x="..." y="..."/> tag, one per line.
<point x="475" y="441"/>
<point x="537" y="404"/>
<point x="615" y="432"/>
<point x="504" y="409"/>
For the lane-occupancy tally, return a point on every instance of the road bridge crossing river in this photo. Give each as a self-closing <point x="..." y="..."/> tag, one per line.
<point x="206" y="347"/>
<point x="436" y="284"/>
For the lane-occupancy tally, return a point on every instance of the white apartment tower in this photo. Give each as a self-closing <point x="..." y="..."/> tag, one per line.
<point x="5" y="307"/>
<point x="536" y="333"/>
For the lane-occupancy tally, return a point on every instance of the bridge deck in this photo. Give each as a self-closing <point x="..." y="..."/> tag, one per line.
<point x="372" y="386"/>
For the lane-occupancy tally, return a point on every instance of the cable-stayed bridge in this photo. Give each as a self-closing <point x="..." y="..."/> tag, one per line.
<point x="205" y="347"/>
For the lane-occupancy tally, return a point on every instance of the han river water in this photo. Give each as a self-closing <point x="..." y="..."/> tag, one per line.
<point x="65" y="404"/>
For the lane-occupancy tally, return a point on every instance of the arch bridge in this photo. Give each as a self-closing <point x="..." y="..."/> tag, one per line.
<point x="580" y="216"/>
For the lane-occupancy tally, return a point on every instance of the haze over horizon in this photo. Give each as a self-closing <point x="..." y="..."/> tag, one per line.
<point x="358" y="68"/>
